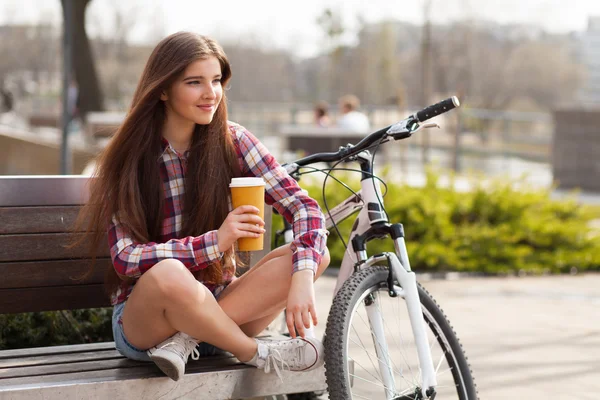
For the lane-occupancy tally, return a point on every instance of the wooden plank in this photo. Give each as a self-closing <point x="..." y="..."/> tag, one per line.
<point x="92" y="347"/>
<point x="55" y="350"/>
<point x="44" y="246"/>
<point x="37" y="219"/>
<point x="43" y="190"/>
<point x="52" y="298"/>
<point x="52" y="273"/>
<point x="75" y="358"/>
<point x="69" y="358"/>
<point x="147" y="382"/>
<point x="88" y="362"/>
<point x="54" y="369"/>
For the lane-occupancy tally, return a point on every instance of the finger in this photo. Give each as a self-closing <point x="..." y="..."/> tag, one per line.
<point x="240" y="233"/>
<point x="251" y="219"/>
<point x="251" y="228"/>
<point x="298" y="323"/>
<point x="289" y="319"/>
<point x="306" y="318"/>
<point x="246" y="209"/>
<point x="313" y="313"/>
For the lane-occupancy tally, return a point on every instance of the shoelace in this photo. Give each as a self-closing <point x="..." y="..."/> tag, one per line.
<point x="276" y="359"/>
<point x="191" y="343"/>
<point x="183" y="346"/>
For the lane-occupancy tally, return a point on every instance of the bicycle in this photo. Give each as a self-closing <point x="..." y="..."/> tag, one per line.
<point x="364" y="288"/>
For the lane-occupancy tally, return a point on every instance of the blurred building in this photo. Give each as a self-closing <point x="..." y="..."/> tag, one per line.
<point x="591" y="57"/>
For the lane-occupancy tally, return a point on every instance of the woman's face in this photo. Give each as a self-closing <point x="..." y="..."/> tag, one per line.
<point x="195" y="94"/>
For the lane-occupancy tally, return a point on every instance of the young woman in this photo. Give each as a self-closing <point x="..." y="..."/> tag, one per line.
<point x="161" y="190"/>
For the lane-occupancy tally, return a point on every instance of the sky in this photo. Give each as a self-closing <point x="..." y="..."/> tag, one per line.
<point x="292" y="24"/>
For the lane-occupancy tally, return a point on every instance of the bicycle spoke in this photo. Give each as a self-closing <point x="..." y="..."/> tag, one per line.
<point x="389" y="362"/>
<point x="366" y="370"/>
<point x="406" y="392"/>
<point x="368" y="381"/>
<point x="402" y="341"/>
<point x="395" y="342"/>
<point x="378" y="359"/>
<point x="402" y="352"/>
<point x="365" y="348"/>
<point x="379" y="343"/>
<point x="413" y="382"/>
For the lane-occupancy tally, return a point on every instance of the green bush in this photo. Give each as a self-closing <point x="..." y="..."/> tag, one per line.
<point x="54" y="328"/>
<point x="494" y="228"/>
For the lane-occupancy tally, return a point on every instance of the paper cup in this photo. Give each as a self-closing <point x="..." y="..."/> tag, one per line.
<point x="249" y="191"/>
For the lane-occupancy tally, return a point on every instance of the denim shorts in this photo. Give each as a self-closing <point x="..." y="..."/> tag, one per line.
<point x="130" y="351"/>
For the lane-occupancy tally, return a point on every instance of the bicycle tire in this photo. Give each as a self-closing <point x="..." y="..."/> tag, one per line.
<point x="337" y="336"/>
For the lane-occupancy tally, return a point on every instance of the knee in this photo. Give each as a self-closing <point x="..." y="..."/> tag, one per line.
<point x="172" y="280"/>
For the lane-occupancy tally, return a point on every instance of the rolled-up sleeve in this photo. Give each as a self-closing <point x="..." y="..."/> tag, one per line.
<point x="131" y="259"/>
<point x="284" y="194"/>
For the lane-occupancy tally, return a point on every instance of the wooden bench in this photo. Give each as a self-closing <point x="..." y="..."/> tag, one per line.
<point x="36" y="213"/>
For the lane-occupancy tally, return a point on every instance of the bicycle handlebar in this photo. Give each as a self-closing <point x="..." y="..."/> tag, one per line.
<point x="400" y="130"/>
<point x="437" y="109"/>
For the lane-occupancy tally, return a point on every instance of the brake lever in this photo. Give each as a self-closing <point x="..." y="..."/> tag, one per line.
<point x="425" y="126"/>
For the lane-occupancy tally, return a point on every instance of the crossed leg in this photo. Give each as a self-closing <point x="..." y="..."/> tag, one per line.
<point x="168" y="299"/>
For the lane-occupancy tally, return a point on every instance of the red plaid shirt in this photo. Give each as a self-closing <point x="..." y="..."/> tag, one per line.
<point x="132" y="259"/>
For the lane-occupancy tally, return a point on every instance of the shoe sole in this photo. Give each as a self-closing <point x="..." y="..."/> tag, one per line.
<point x="167" y="364"/>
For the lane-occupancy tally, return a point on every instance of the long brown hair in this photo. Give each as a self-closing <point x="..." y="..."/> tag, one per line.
<point x="127" y="182"/>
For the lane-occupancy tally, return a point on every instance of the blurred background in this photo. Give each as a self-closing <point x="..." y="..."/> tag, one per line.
<point x="512" y="64"/>
<point x="490" y="194"/>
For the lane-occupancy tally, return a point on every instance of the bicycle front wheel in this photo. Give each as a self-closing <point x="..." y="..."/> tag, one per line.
<point x="354" y="359"/>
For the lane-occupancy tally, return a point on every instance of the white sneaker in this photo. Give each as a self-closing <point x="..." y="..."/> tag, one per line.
<point x="294" y="355"/>
<point x="172" y="354"/>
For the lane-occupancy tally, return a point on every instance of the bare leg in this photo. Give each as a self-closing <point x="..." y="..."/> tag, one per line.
<point x="268" y="300"/>
<point x="168" y="299"/>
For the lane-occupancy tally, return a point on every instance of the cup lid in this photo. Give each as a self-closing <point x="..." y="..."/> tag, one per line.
<point x="246" y="182"/>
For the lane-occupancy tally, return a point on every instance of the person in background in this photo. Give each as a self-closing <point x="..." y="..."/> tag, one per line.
<point x="352" y="119"/>
<point x="322" y="114"/>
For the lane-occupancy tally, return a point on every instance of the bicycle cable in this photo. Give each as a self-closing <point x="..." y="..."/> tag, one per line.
<point x="328" y="174"/>
<point x="342" y="183"/>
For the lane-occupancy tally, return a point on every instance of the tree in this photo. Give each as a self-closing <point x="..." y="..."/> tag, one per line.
<point x="333" y="29"/>
<point x="90" y="93"/>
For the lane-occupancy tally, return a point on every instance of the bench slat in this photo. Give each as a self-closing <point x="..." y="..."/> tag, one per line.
<point x="37" y="219"/>
<point x="95" y="361"/>
<point x="43" y="190"/>
<point x="52" y="369"/>
<point x="33" y="361"/>
<point x="52" y="273"/>
<point x="45" y="246"/>
<point x="147" y="382"/>
<point x="56" y="350"/>
<point x="52" y="298"/>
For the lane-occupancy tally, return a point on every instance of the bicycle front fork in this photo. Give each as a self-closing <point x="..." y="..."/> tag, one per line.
<point x="408" y="290"/>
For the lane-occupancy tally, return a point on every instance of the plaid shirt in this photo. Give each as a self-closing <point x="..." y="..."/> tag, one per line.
<point x="131" y="259"/>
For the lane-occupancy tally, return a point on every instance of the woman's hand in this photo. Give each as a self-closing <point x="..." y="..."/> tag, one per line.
<point x="241" y="222"/>
<point x="300" y="307"/>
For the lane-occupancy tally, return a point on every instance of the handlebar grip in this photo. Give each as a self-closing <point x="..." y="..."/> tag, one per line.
<point x="437" y="109"/>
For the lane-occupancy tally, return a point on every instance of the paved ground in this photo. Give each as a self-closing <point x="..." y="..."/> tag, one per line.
<point x="526" y="338"/>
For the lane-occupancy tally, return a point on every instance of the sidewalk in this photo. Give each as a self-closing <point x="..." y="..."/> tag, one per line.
<point x="532" y="338"/>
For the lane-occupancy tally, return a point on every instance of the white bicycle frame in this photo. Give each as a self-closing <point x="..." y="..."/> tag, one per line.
<point x="371" y="193"/>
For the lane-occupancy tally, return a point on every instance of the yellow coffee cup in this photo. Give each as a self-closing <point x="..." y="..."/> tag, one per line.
<point x="249" y="191"/>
